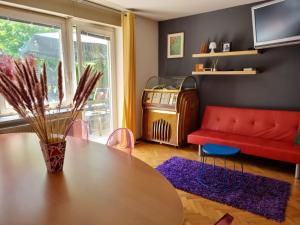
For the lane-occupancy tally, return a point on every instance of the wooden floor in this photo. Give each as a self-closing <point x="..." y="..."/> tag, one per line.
<point x="198" y="210"/>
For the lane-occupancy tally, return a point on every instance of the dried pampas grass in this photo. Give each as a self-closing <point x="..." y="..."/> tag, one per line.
<point x="27" y="93"/>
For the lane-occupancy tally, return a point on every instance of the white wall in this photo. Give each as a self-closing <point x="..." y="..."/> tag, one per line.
<point x="146" y="34"/>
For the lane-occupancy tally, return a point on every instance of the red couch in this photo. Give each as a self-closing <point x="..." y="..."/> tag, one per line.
<point x="265" y="133"/>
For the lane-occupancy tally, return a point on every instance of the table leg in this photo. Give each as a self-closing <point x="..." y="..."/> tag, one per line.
<point x="297" y="172"/>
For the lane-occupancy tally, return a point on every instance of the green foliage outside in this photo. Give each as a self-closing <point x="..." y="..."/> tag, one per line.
<point x="14" y="34"/>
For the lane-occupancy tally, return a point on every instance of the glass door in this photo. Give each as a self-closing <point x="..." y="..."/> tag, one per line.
<point x="94" y="47"/>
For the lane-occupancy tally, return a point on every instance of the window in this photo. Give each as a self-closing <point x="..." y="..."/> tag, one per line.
<point x="24" y="33"/>
<point x="52" y="39"/>
<point x="21" y="39"/>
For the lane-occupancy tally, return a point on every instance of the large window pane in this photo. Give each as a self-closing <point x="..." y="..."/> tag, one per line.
<point x="95" y="50"/>
<point x="20" y="39"/>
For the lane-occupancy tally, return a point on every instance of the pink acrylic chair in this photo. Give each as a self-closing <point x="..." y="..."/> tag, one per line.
<point x="225" y="220"/>
<point x="79" y="129"/>
<point x="121" y="139"/>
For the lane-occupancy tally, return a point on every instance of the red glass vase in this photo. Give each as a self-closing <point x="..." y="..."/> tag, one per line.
<point x="54" y="155"/>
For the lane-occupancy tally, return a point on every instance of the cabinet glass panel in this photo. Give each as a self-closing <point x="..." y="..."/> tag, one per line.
<point x="171" y="83"/>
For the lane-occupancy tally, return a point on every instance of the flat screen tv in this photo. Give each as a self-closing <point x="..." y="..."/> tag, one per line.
<point x="276" y="23"/>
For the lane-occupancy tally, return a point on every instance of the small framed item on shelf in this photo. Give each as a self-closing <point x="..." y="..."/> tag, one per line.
<point x="226" y="46"/>
<point x="199" y="67"/>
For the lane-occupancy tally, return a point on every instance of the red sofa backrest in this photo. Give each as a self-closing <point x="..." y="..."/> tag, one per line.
<point x="269" y="124"/>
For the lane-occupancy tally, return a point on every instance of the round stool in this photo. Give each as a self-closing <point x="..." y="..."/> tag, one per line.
<point x="209" y="177"/>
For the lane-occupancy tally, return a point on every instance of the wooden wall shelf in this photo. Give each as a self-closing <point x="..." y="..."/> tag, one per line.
<point x="214" y="73"/>
<point x="226" y="54"/>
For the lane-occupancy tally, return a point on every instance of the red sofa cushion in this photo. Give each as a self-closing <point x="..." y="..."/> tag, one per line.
<point x="277" y="150"/>
<point x="268" y="124"/>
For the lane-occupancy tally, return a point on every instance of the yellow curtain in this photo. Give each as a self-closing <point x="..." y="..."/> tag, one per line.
<point x="129" y="109"/>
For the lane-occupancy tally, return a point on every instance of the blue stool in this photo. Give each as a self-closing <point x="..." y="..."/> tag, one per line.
<point x="210" y="179"/>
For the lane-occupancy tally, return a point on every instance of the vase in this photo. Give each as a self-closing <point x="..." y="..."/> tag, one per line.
<point x="54" y="155"/>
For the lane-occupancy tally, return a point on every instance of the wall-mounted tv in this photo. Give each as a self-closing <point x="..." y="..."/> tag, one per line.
<point x="276" y="23"/>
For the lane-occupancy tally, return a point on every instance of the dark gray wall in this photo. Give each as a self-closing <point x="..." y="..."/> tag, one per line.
<point x="276" y="87"/>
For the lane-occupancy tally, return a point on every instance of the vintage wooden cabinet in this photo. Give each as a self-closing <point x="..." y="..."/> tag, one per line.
<point x="170" y="109"/>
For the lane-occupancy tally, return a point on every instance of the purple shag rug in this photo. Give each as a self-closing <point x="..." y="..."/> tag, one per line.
<point x="260" y="195"/>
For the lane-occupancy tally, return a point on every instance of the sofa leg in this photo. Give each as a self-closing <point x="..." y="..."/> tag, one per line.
<point x="297" y="172"/>
<point x="200" y="150"/>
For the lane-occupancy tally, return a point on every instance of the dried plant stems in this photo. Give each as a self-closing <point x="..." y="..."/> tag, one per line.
<point x="60" y="84"/>
<point x="45" y="81"/>
<point x="28" y="93"/>
<point x="85" y="87"/>
<point x="60" y="90"/>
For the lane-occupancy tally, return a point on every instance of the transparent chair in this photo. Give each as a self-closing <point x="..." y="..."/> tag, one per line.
<point x="79" y="129"/>
<point x="121" y="139"/>
<point x="225" y="220"/>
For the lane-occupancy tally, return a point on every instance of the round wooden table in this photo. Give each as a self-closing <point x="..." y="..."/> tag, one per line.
<point x="98" y="186"/>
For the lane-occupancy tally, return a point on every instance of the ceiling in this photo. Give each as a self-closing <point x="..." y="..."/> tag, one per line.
<point x="169" y="9"/>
